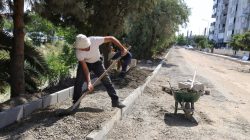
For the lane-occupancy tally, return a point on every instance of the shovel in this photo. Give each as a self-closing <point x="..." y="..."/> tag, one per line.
<point x="70" y="109"/>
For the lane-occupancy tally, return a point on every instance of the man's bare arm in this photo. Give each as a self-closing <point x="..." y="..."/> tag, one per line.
<point x="116" y="42"/>
<point x="87" y="75"/>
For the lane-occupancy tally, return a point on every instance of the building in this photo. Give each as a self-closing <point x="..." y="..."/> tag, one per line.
<point x="231" y="17"/>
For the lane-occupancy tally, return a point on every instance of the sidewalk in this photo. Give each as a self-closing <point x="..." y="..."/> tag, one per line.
<point x="226" y="57"/>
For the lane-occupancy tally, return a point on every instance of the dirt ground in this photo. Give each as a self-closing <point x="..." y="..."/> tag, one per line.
<point x="224" y="114"/>
<point x="95" y="109"/>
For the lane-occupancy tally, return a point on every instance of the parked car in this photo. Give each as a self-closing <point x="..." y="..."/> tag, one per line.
<point x="37" y="37"/>
<point x="189" y="47"/>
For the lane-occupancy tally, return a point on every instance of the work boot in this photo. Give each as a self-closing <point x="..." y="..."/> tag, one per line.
<point x="118" y="104"/>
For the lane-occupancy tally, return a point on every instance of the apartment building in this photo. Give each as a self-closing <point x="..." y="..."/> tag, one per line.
<point x="231" y="17"/>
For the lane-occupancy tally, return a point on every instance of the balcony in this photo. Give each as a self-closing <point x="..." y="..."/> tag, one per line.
<point x="212" y="24"/>
<point x="246" y="10"/>
<point x="214" y="15"/>
<point x="211" y="32"/>
<point x="244" y="25"/>
<point x="224" y="9"/>
<point x="231" y="26"/>
<point x="224" y="19"/>
<point x="215" y="6"/>
<point x="222" y="30"/>
<point x="225" y="1"/>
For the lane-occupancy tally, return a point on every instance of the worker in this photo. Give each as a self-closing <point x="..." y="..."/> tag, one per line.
<point x="124" y="61"/>
<point x="88" y="56"/>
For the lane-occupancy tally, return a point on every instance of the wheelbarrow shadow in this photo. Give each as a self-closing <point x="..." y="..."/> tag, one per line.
<point x="179" y="119"/>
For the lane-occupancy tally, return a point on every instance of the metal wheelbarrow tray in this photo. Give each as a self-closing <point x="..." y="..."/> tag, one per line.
<point x="186" y="98"/>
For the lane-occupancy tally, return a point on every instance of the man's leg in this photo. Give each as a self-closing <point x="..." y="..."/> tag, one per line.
<point x="78" y="83"/>
<point x="125" y="62"/>
<point x="99" y="69"/>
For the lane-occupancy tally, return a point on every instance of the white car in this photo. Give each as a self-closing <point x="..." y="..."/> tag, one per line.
<point x="189" y="47"/>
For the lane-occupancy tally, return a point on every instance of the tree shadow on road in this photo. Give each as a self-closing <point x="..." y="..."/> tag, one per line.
<point x="172" y="119"/>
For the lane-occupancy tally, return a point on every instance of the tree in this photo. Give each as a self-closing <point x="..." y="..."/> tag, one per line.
<point x="236" y="43"/>
<point x="16" y="69"/>
<point x="181" y="40"/>
<point x="246" y="42"/>
<point x="93" y="17"/>
<point x="153" y="30"/>
<point x="211" y="45"/>
<point x="35" y="65"/>
<point x="17" y="53"/>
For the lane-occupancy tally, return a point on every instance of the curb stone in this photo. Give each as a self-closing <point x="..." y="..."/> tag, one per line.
<point x="50" y="100"/>
<point x="11" y="115"/>
<point x="32" y="106"/>
<point x="63" y="95"/>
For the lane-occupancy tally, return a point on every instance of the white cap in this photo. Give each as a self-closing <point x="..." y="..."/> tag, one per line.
<point x="82" y="42"/>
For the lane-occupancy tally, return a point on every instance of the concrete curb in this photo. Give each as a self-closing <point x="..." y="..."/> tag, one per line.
<point x="129" y="101"/>
<point x="17" y="113"/>
<point x="226" y="57"/>
<point x="10" y="116"/>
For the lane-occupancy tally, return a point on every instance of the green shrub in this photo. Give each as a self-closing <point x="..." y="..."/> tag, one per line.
<point x="60" y="59"/>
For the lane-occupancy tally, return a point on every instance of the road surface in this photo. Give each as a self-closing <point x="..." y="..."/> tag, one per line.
<point x="224" y="114"/>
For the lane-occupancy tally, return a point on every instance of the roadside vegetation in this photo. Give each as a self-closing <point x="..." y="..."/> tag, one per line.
<point x="38" y="42"/>
<point x="241" y="42"/>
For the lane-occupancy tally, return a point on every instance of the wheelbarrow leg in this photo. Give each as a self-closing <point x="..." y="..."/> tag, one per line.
<point x="192" y="105"/>
<point x="176" y="107"/>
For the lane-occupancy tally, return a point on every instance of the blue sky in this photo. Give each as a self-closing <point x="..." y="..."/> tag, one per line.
<point x="200" y="18"/>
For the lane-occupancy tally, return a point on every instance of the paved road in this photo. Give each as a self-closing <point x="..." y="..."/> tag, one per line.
<point x="224" y="114"/>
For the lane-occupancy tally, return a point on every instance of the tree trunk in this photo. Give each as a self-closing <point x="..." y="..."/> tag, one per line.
<point x="17" y="53"/>
<point x="212" y="50"/>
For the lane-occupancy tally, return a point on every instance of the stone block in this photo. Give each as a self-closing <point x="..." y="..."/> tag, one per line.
<point x="10" y="116"/>
<point x="62" y="95"/>
<point x="133" y="63"/>
<point x="32" y="106"/>
<point x="49" y="100"/>
<point x="71" y="92"/>
<point x="105" y="128"/>
<point x="197" y="85"/>
<point x="182" y="85"/>
<point x="129" y="101"/>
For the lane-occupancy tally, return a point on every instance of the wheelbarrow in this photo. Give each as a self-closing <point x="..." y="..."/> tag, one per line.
<point x="186" y="97"/>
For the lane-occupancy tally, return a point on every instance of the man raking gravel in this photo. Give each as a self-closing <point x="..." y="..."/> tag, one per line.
<point x="88" y="55"/>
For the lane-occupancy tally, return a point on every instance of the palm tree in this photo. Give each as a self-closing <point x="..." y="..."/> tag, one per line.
<point x="34" y="66"/>
<point x="13" y="72"/>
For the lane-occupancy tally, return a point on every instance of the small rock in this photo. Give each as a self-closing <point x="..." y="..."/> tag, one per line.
<point x="207" y="92"/>
<point x="149" y="62"/>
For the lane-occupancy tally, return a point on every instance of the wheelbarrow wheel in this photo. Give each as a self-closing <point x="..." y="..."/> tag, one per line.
<point x="176" y="107"/>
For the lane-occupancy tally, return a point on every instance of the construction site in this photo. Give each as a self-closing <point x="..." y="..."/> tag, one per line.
<point x="124" y="69"/>
<point x="150" y="113"/>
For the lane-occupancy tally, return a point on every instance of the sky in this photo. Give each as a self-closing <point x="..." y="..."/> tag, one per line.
<point x="200" y="18"/>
